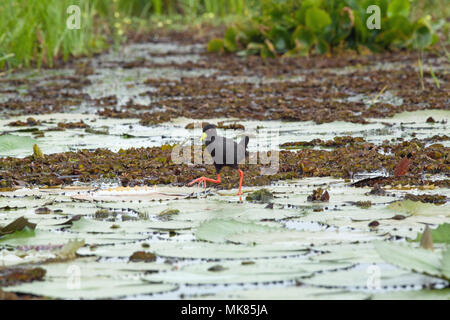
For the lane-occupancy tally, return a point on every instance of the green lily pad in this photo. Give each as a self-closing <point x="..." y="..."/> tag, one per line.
<point x="439" y="235"/>
<point x="218" y="230"/>
<point x="291" y="293"/>
<point x="9" y="142"/>
<point x="358" y="278"/>
<point x="263" y="270"/>
<point x="419" y="208"/>
<point x="415" y="259"/>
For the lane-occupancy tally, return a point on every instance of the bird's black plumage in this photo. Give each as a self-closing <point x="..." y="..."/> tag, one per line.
<point x="224" y="152"/>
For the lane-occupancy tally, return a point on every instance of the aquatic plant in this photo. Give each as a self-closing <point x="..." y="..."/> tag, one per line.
<point x="292" y="28"/>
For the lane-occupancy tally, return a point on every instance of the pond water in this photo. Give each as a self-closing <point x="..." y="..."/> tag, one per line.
<point x="210" y="243"/>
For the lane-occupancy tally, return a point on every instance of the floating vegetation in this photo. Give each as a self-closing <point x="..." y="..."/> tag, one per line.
<point x="102" y="195"/>
<point x="142" y="256"/>
<point x="319" y="195"/>
<point x="439" y="235"/>
<point x="262" y="195"/>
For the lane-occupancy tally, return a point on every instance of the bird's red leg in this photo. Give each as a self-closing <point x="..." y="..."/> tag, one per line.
<point x="241" y="177"/>
<point x="204" y="180"/>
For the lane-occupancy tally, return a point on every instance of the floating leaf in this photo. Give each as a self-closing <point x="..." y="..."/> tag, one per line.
<point x="358" y="278"/>
<point x="17" y="225"/>
<point x="419" y="208"/>
<point x="439" y="235"/>
<point x="414" y="259"/>
<point x="218" y="230"/>
<point x="446" y="263"/>
<point x="262" y="195"/>
<point x="274" y="269"/>
<point x="9" y="142"/>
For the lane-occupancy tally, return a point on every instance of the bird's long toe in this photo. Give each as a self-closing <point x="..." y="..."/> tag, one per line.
<point x="198" y="180"/>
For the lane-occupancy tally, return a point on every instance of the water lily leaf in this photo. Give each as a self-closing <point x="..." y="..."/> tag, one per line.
<point x="357" y="278"/>
<point x="439" y="235"/>
<point x="291" y="293"/>
<point x="409" y="258"/>
<point x="419" y="208"/>
<point x="275" y="269"/>
<point x="446" y="263"/>
<point x="219" y="230"/>
<point x="205" y="250"/>
<point x="299" y="239"/>
<point x="70" y="221"/>
<point x="89" y="288"/>
<point x="23" y="234"/>
<point x="442" y="294"/>
<point x="355" y="253"/>
<point x="9" y="142"/>
<point x="17" y="225"/>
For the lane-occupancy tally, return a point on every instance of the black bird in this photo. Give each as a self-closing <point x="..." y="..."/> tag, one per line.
<point x="224" y="152"/>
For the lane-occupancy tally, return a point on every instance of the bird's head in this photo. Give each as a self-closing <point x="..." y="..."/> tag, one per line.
<point x="209" y="131"/>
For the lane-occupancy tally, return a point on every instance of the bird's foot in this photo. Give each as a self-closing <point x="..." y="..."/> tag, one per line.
<point x="199" y="181"/>
<point x="239" y="193"/>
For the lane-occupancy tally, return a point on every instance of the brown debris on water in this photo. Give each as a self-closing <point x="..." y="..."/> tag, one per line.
<point x="336" y="142"/>
<point x="31" y="122"/>
<point x="319" y="195"/>
<point x="16" y="275"/>
<point x="377" y="190"/>
<point x="73" y="125"/>
<point x="427" y="198"/>
<point x="17" y="225"/>
<point x="374" y="224"/>
<point x="318" y="95"/>
<point x="149" y="166"/>
<point x="142" y="256"/>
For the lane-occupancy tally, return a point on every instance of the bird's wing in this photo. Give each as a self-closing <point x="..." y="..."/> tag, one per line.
<point x="227" y="151"/>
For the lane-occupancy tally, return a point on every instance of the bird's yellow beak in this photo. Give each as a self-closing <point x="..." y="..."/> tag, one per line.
<point x="203" y="137"/>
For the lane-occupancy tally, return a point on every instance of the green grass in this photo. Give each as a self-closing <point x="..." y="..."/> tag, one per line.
<point x="34" y="32"/>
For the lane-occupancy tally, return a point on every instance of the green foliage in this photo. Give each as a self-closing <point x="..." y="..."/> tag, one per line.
<point x="35" y="33"/>
<point x="215" y="45"/>
<point x="291" y="28"/>
<point x="439" y="235"/>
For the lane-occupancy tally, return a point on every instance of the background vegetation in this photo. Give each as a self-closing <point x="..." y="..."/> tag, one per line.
<point x="293" y="27"/>
<point x="34" y="33"/>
